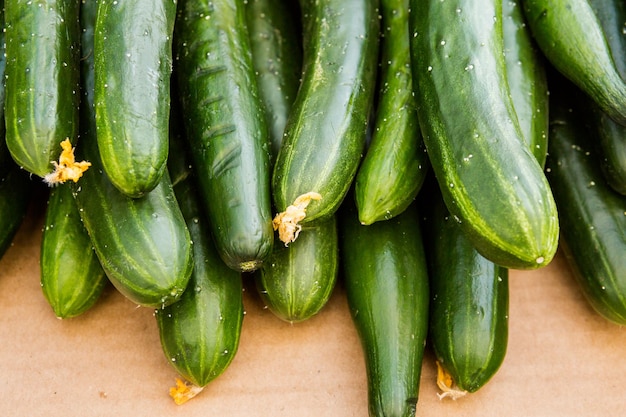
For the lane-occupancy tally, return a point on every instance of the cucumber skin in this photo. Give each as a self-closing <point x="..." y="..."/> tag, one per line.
<point x="593" y="231"/>
<point x="491" y="183"/>
<point x="326" y="129"/>
<point x="72" y="278"/>
<point x="297" y="280"/>
<point x="570" y="36"/>
<point x="396" y="163"/>
<point x="469" y="301"/>
<point x="133" y="59"/>
<point x="42" y="92"/>
<point x="16" y="190"/>
<point x="386" y="280"/>
<point x="226" y="128"/>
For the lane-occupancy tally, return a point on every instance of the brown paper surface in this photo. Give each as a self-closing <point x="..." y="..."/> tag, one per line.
<point x="563" y="359"/>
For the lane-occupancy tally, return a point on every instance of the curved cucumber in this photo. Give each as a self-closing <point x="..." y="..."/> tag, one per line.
<point x="395" y="164"/>
<point x="386" y="281"/>
<point x="133" y="59"/>
<point x="326" y="129"/>
<point x="42" y="92"/>
<point x="490" y="180"/>
<point x="225" y="125"/>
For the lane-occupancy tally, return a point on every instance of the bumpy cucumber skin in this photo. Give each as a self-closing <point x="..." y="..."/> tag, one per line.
<point x="143" y="244"/>
<point x="133" y="57"/>
<point x="593" y="231"/>
<point x="326" y="129"/>
<point x="528" y="83"/>
<point x="469" y="301"/>
<point x="226" y="128"/>
<point x="297" y="280"/>
<point x="571" y="38"/>
<point x="42" y="93"/>
<point x="72" y="279"/>
<point x="275" y="41"/>
<point x="490" y="180"/>
<point x="386" y="281"/>
<point x="395" y="164"/>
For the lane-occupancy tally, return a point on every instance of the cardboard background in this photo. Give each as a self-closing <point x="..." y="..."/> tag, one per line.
<point x="562" y="359"/>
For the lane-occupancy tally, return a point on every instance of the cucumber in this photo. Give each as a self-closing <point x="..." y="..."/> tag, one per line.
<point x="526" y="75"/>
<point x="143" y="244"/>
<point x="297" y="280"/>
<point x="225" y="124"/>
<point x="42" y="92"/>
<point x="326" y="129"/>
<point x="571" y="37"/>
<point x="490" y="181"/>
<point x="469" y="302"/>
<point x="593" y="225"/>
<point x="275" y="32"/>
<point x="386" y="281"/>
<point x="72" y="278"/>
<point x="395" y="164"/>
<point x="16" y="191"/>
<point x="200" y="333"/>
<point x="133" y="59"/>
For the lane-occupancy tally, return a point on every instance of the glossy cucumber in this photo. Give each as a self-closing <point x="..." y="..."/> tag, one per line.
<point x="526" y="75"/>
<point x="133" y="59"/>
<point x="225" y="125"/>
<point x="491" y="182"/>
<point x="593" y="224"/>
<point x="395" y="164"/>
<point x="276" y="44"/>
<point x="572" y="39"/>
<point x="72" y="278"/>
<point x="386" y="281"/>
<point x="42" y="92"/>
<point x="143" y="243"/>
<point x="297" y="280"/>
<point x="5" y="155"/>
<point x="326" y="129"/>
<point x="469" y="302"/>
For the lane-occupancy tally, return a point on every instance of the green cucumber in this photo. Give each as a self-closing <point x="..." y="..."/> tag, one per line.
<point x="326" y="129"/>
<point x="526" y="75"/>
<point x="297" y="280"/>
<point x="469" y="302"/>
<point x="274" y="29"/>
<point x="395" y="164"/>
<point x="225" y="125"/>
<point x="72" y="278"/>
<point x="571" y="37"/>
<point x="5" y="155"/>
<point x="42" y="92"/>
<point x="16" y="190"/>
<point x="142" y="243"/>
<point x="593" y="224"/>
<point x="386" y="281"/>
<point x="133" y="59"/>
<point x="491" y="182"/>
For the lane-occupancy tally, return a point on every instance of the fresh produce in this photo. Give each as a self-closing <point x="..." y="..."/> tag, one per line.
<point x="16" y="191"/>
<point x="490" y="181"/>
<point x="225" y="125"/>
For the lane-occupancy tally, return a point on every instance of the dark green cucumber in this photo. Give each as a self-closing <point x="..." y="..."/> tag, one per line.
<point x="42" y="93"/>
<point x="142" y="243"/>
<point x="526" y="75"/>
<point x="275" y="41"/>
<point x="386" y="281"/>
<point x="72" y="278"/>
<point x="469" y="301"/>
<point x="396" y="163"/>
<point x="491" y="182"/>
<point x="16" y="190"/>
<point x="133" y="58"/>
<point x="5" y="155"/>
<point x="297" y="280"/>
<point x="326" y="129"/>
<point x="593" y="224"/>
<point x="225" y="125"/>
<point x="571" y="37"/>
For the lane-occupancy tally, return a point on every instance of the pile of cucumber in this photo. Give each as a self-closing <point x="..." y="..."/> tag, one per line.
<point x="412" y="151"/>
